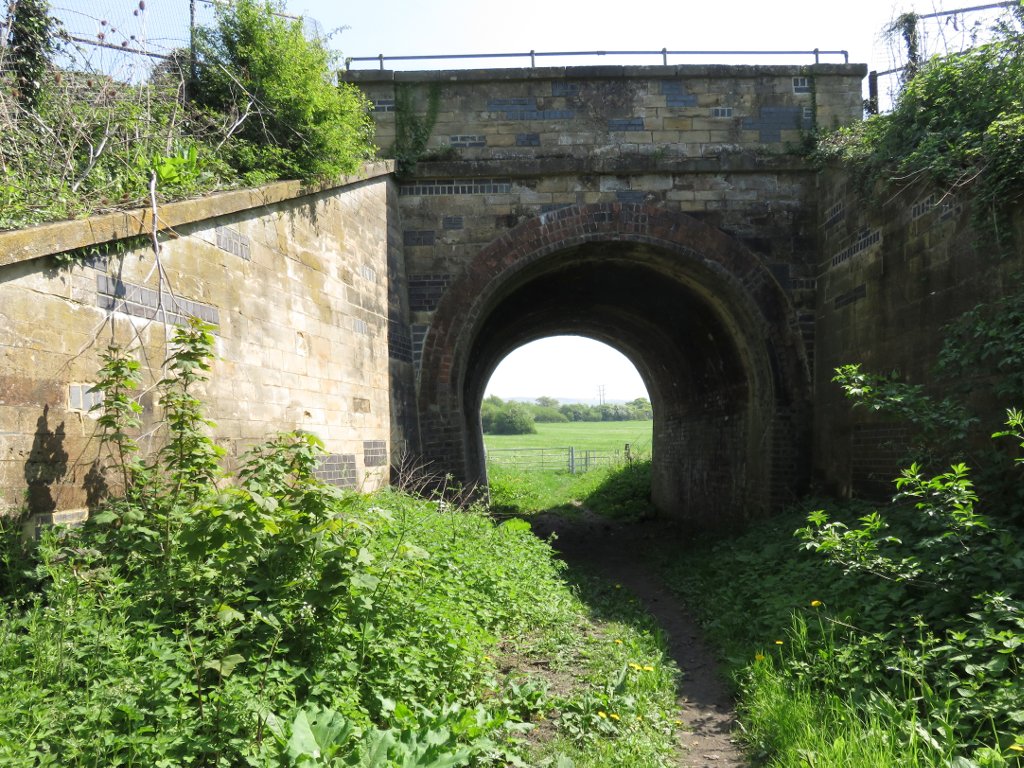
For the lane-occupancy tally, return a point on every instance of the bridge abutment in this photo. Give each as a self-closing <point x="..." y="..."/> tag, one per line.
<point x="661" y="210"/>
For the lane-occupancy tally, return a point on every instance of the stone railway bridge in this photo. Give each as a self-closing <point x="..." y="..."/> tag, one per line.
<point x="661" y="210"/>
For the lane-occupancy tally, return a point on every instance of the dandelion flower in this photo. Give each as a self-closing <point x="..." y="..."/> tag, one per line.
<point x="648" y="668"/>
<point x="634" y="665"/>
<point x="816" y="603"/>
<point x="602" y="714"/>
<point x="613" y="716"/>
<point x="778" y="642"/>
<point x="617" y="641"/>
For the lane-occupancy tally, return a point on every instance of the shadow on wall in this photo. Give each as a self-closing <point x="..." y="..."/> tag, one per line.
<point x="47" y="463"/>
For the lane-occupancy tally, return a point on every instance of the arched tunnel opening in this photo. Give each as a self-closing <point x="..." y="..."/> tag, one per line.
<point x="586" y="400"/>
<point x="710" y="331"/>
<point x="702" y="362"/>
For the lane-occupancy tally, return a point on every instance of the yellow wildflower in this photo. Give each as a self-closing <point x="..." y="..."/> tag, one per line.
<point x="1017" y="747"/>
<point x="617" y="641"/>
<point x="778" y="642"/>
<point x="634" y="665"/>
<point x="648" y="669"/>
<point x="602" y="715"/>
<point x="816" y="603"/>
<point x="758" y="657"/>
<point x="613" y="716"/>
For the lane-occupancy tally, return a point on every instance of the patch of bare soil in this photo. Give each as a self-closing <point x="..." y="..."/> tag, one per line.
<point x="622" y="552"/>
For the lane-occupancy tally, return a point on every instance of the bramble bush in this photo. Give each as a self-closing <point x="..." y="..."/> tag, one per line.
<point x="264" y="106"/>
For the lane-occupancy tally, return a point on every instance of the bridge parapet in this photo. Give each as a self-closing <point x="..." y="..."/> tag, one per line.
<point x="668" y="111"/>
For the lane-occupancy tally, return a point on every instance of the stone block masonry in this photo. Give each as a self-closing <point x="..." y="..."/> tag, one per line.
<point x="708" y="141"/>
<point x="892" y="273"/>
<point x="296" y="281"/>
<point x="561" y="153"/>
<point x="673" y="111"/>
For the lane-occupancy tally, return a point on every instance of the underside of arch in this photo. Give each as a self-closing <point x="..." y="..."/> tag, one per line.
<point x="707" y="327"/>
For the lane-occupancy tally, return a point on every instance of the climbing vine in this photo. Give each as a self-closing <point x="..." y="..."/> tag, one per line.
<point x="412" y="130"/>
<point x="905" y="25"/>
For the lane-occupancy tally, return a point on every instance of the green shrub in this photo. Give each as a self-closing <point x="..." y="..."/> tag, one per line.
<point x="513" y="419"/>
<point x="547" y="415"/>
<point x="957" y="124"/>
<point x="292" y="119"/>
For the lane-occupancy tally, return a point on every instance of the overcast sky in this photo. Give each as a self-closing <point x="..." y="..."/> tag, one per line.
<point x="461" y="26"/>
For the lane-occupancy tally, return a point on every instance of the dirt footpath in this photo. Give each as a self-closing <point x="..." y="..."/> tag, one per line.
<point x="622" y="553"/>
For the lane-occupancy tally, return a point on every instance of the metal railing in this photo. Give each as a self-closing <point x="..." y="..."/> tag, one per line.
<point x="817" y="53"/>
<point x="568" y="459"/>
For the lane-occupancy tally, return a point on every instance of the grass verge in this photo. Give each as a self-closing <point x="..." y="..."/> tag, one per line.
<point x="621" y="492"/>
<point x="838" y="667"/>
<point x="301" y="627"/>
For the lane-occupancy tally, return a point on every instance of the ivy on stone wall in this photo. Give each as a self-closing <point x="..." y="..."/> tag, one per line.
<point x="412" y="129"/>
<point x="31" y="41"/>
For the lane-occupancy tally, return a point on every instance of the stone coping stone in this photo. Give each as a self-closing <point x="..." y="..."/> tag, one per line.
<point x="20" y="245"/>
<point x="603" y="72"/>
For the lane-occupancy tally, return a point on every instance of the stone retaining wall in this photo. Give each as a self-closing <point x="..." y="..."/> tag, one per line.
<point x="296" y="282"/>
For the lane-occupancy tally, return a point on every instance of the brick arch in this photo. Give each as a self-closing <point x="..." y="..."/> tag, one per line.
<point x="747" y="411"/>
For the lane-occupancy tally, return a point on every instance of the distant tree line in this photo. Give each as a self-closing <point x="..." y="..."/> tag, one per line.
<point x="514" y="418"/>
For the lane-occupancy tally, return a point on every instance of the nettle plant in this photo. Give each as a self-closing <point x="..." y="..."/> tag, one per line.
<point x="932" y="566"/>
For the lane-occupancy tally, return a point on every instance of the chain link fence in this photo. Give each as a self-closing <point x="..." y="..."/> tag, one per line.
<point x="913" y="38"/>
<point x="95" y="103"/>
<point x="126" y="39"/>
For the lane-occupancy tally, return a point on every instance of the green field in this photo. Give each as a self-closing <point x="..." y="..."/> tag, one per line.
<point x="587" y="435"/>
<point x="613" y="489"/>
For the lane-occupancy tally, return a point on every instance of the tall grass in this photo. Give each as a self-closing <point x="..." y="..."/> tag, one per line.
<point x="619" y="491"/>
<point x="787" y="722"/>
